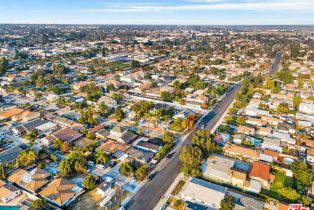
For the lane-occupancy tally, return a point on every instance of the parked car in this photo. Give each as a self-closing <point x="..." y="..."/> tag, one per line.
<point x="99" y="166"/>
<point x="112" y="164"/>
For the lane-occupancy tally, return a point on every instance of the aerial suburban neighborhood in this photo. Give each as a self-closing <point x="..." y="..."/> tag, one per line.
<point x="156" y="117"/>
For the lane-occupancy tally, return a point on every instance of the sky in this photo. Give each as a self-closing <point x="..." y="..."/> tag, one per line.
<point x="159" y="12"/>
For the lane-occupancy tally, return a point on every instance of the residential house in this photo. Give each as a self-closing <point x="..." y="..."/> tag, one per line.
<point x="32" y="180"/>
<point x="241" y="152"/>
<point x="254" y="121"/>
<point x="67" y="134"/>
<point x="110" y="102"/>
<point x="26" y="116"/>
<point x="310" y="156"/>
<point x="229" y="171"/>
<point x="306" y="108"/>
<point x="111" y="147"/>
<point x="260" y="171"/>
<point x="246" y="130"/>
<point x="271" y="120"/>
<point x="121" y="134"/>
<point x="142" y="157"/>
<point x="197" y="191"/>
<point x="272" y="144"/>
<point x="61" y="192"/>
<point x="9" y="155"/>
<point x="10" y="113"/>
<point x="8" y="192"/>
<point x="286" y="128"/>
<point x="264" y="131"/>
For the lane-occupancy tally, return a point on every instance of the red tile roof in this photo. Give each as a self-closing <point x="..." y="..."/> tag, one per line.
<point x="96" y="128"/>
<point x="260" y="170"/>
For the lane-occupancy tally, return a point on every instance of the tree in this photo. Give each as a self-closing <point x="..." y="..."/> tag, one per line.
<point x="226" y="203"/>
<point x="126" y="169"/>
<point x="3" y="66"/>
<point x="91" y="136"/>
<point x="302" y="172"/>
<point x="39" y="203"/>
<point x="119" y="113"/>
<point x="141" y="172"/>
<point x="89" y="182"/>
<point x="285" y="76"/>
<point x="306" y="200"/>
<point x="135" y="64"/>
<point x="87" y="117"/>
<point x="168" y="137"/>
<point x="3" y="174"/>
<point x="296" y="102"/>
<point x="41" y="165"/>
<point x="26" y="158"/>
<point x="241" y="120"/>
<point x="141" y="108"/>
<point x="191" y="158"/>
<point x="166" y="96"/>
<point x="177" y="124"/>
<point x="65" y="147"/>
<point x="199" y="85"/>
<point x="80" y="165"/>
<point x="203" y="140"/>
<point x="289" y="193"/>
<point x="65" y="168"/>
<point x="190" y="121"/>
<point x="283" y="108"/>
<point x="177" y="85"/>
<point x="101" y="157"/>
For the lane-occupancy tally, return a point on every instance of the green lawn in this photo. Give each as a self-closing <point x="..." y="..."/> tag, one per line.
<point x="117" y="65"/>
<point x="281" y="181"/>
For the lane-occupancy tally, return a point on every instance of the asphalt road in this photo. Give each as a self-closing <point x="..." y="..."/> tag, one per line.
<point x="149" y="195"/>
<point x="275" y="65"/>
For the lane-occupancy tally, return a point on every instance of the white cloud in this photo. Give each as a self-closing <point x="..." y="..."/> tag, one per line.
<point x="212" y="5"/>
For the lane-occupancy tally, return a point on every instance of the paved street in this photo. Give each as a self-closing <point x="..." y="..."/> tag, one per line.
<point x="149" y="195"/>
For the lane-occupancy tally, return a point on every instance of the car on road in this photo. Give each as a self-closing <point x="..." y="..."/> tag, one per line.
<point x="151" y="176"/>
<point x="169" y="155"/>
<point x="203" y="126"/>
<point x="112" y="164"/>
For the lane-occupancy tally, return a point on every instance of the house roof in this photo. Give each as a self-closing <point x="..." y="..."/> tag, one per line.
<point x="29" y="126"/>
<point x="7" y="189"/>
<point x="139" y="155"/>
<point x="16" y="175"/>
<point x="238" y="174"/>
<point x="271" y="153"/>
<point x="243" y="151"/>
<point x="96" y="128"/>
<point x="112" y="146"/>
<point x="260" y="170"/>
<point x="148" y="145"/>
<point x="10" y="113"/>
<point x="59" y="190"/>
<point x="199" y="189"/>
<point x="10" y="154"/>
<point x="119" y="129"/>
<point x="34" y="185"/>
<point x="67" y="134"/>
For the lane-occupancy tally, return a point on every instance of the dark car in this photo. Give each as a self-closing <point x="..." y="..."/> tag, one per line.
<point x="151" y="176"/>
<point x="112" y="164"/>
<point x="169" y="155"/>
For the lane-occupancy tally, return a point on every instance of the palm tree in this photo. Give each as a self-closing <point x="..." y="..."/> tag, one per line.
<point x="101" y="157"/>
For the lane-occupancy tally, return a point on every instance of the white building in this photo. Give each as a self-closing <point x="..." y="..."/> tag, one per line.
<point x="203" y="193"/>
<point x="307" y="108"/>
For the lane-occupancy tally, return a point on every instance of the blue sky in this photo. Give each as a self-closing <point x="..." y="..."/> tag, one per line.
<point x="183" y="12"/>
